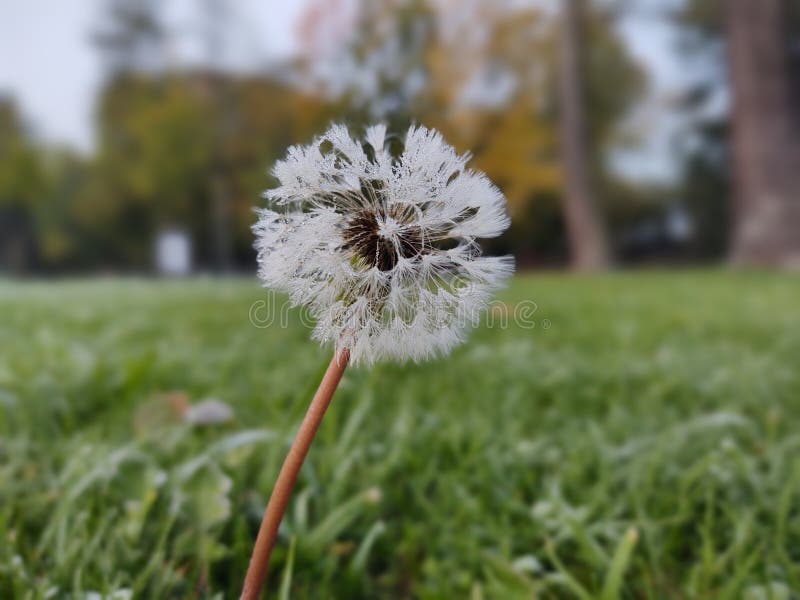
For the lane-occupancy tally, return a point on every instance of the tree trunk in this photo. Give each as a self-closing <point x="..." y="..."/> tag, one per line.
<point x="587" y="239"/>
<point x="766" y="136"/>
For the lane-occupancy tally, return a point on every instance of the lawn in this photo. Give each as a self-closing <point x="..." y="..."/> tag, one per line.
<point x="639" y="437"/>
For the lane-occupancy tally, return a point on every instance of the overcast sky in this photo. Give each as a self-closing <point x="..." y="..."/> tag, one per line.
<point x="48" y="64"/>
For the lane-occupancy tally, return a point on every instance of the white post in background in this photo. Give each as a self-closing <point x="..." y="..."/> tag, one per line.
<point x="173" y="253"/>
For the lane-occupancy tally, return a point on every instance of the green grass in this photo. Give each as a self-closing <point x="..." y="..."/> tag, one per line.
<point x="641" y="441"/>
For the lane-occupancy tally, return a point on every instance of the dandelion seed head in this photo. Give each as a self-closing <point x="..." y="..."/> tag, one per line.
<point x="381" y="247"/>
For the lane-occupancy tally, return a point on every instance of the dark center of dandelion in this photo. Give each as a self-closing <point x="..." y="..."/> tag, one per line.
<point x="363" y="236"/>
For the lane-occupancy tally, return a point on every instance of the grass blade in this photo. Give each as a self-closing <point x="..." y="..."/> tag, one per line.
<point x="619" y="564"/>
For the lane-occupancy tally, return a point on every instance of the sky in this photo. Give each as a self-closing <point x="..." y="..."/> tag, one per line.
<point x="48" y="64"/>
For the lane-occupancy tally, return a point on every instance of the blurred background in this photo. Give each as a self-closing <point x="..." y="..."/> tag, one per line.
<point x="137" y="135"/>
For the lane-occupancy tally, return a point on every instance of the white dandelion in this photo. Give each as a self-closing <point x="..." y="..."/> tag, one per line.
<point x="381" y="247"/>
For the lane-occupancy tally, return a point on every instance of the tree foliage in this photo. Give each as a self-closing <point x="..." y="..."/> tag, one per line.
<point x="484" y="73"/>
<point x="22" y="183"/>
<point x="160" y="147"/>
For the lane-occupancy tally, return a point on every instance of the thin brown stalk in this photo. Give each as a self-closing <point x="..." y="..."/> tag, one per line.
<point x="259" y="560"/>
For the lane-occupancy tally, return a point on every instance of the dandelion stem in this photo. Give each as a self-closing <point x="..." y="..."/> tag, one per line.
<point x="259" y="560"/>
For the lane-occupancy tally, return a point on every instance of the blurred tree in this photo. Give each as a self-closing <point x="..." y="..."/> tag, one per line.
<point x="160" y="157"/>
<point x="705" y="185"/>
<point x="588" y="244"/>
<point x="757" y="143"/>
<point x="186" y="149"/>
<point x="372" y="61"/>
<point x="766" y="127"/>
<point x="191" y="148"/>
<point x="63" y="243"/>
<point x="267" y="116"/>
<point x="489" y="97"/>
<point x="154" y="154"/>
<point x="22" y="183"/>
<point x="218" y="94"/>
<point x="703" y="142"/>
<point x="485" y="74"/>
